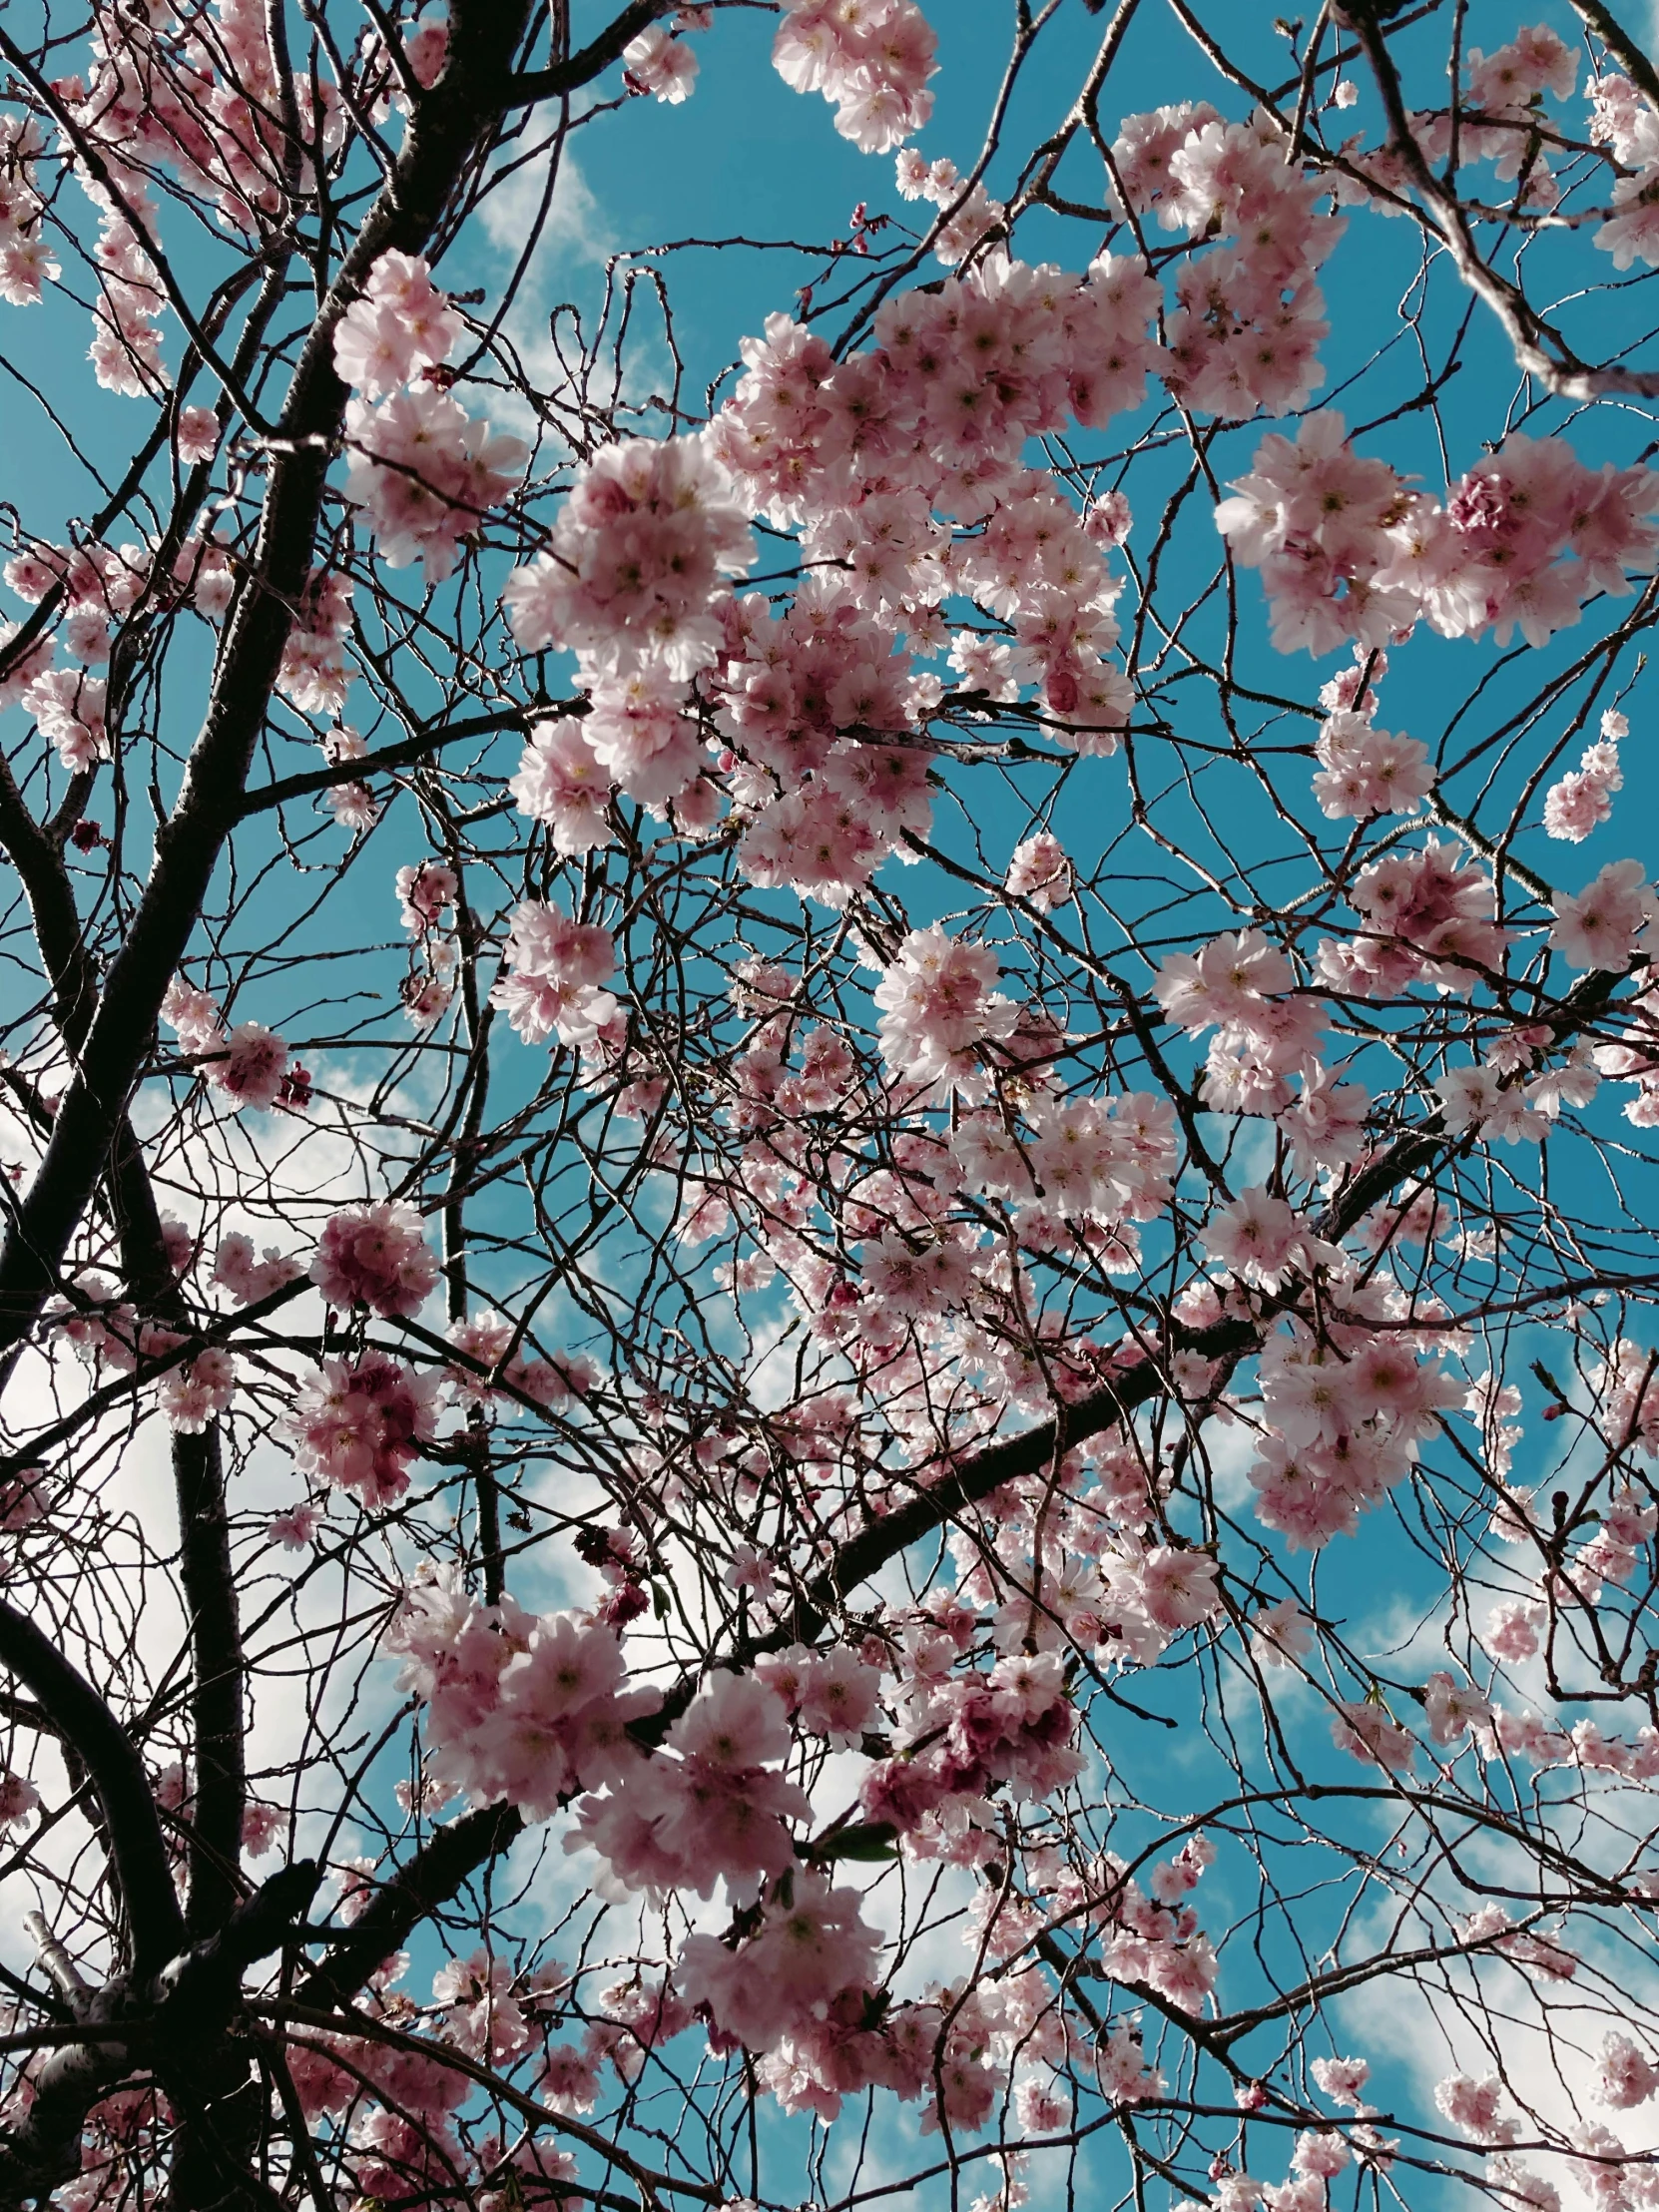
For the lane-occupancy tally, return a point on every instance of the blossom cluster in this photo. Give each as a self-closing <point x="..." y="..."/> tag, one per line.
<point x="248" y="1064"/>
<point x="553" y="970"/>
<point x="426" y="471"/>
<point x="872" y="61"/>
<point x="1347" y="550"/>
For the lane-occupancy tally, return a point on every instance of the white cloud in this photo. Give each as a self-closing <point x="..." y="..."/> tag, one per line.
<point x="573" y="239"/>
<point x="573" y="228"/>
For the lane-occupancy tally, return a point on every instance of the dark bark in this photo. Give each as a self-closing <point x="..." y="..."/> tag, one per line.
<point x="156" y="1927"/>
<point x="177" y="2024"/>
<point x="217" y="1715"/>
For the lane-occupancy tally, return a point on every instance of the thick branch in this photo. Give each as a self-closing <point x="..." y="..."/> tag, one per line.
<point x="429" y="1881"/>
<point x="216" y="1718"/>
<point x="155" y="1924"/>
<point x="593" y="60"/>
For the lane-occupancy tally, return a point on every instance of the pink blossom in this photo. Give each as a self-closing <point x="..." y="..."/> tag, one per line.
<point x="69" y="709"/>
<point x="560" y="782"/>
<point x="938" y="1006"/>
<point x="1476" y="2107"/>
<point x="402" y="325"/>
<point x="26" y="265"/>
<point x="194" y="1015"/>
<point x="715" y="1812"/>
<point x="1624" y="2076"/>
<point x="198" y="1390"/>
<point x="1040" y="872"/>
<point x="375" y="1256"/>
<point x="427" y="473"/>
<point x="1371" y="1734"/>
<point x="1511" y="1632"/>
<point x="23" y="1500"/>
<point x="638" y="559"/>
<point x="1259" y="1238"/>
<point x="1368" y="771"/>
<point x="197" y="436"/>
<point x="554" y="969"/>
<point x="247" y="1280"/>
<point x="1598" y="928"/>
<point x="423" y="892"/>
<point x="657" y="62"/>
<point x="872" y="61"/>
<point x="1343" y="2080"/>
<point x="803" y="1954"/>
<point x="1581" y="801"/>
<point x="1229" y="978"/>
<point x="17" y="1799"/>
<point x="360" y="1424"/>
<point x="1427" y="915"/>
<point x="250" y="1067"/>
<point x="296" y="1528"/>
<point x="1280" y="1634"/>
<point x="1452" y="1708"/>
<point x="260" y="1827"/>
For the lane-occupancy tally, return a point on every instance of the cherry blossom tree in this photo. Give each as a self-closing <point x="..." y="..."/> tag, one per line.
<point x="828" y="1336"/>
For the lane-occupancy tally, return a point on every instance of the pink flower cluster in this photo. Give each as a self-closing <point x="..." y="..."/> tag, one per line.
<point x="715" y="1812"/>
<point x="314" y="673"/>
<point x="1156" y="1942"/>
<point x="1239" y="985"/>
<point x="633" y="581"/>
<point x="806" y="701"/>
<point x="401" y="326"/>
<point x="658" y="62"/>
<point x="553" y="970"/>
<point x="250" y="1065"/>
<point x="196" y="1391"/>
<point x="530" y="1708"/>
<point x="937" y="1009"/>
<point x="161" y="97"/>
<point x="126" y="349"/>
<point x="810" y="1950"/>
<point x="561" y="784"/>
<point x="1494" y="1099"/>
<point x="1259" y="1238"/>
<point x="1014" y="1726"/>
<point x="1601" y="925"/>
<point x="972" y="211"/>
<point x="490" y="1341"/>
<point x="68" y="707"/>
<point x="423" y="893"/>
<point x="359" y="1423"/>
<point x="426" y="473"/>
<point x="1427" y="916"/>
<point x="424" y="468"/>
<point x="1095" y="1163"/>
<point x="1583" y="799"/>
<point x="1623" y="121"/>
<point x="1365" y="771"/>
<point x="870" y="58"/>
<point x="1343" y="1417"/>
<point x="1347" y="550"/>
<point x="1250" y="318"/>
<point x="1635" y="1057"/>
<point x="829" y="1693"/>
<point x="1039" y="870"/>
<point x="375" y="1256"/>
<point x="638" y="559"/>
<point x="26" y="260"/>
